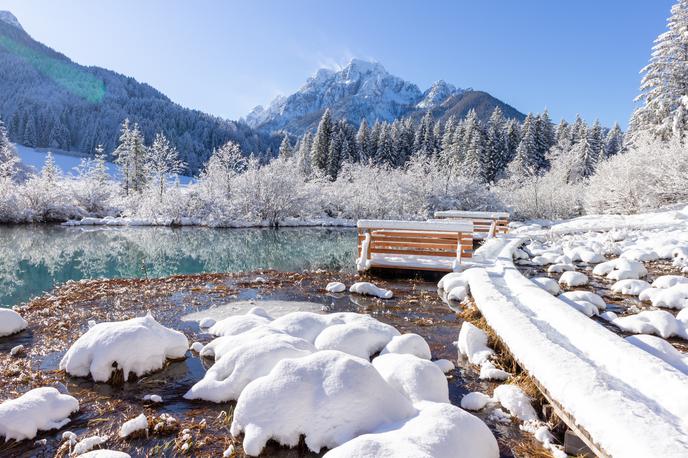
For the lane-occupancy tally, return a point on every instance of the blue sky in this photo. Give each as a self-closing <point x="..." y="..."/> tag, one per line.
<point x="224" y="57"/>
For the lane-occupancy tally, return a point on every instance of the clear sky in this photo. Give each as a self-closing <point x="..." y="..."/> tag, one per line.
<point x="224" y="57"/>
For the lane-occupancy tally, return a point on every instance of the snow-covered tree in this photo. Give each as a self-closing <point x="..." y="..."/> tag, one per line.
<point x="526" y="162"/>
<point x="163" y="162"/>
<point x="495" y="156"/>
<point x="8" y="156"/>
<point x="131" y="157"/>
<point x="303" y="154"/>
<point x="223" y="166"/>
<point x="596" y="140"/>
<point x="585" y="160"/>
<point x="614" y="141"/>
<point x="665" y="81"/>
<point x="285" y="150"/>
<point x="363" y="141"/>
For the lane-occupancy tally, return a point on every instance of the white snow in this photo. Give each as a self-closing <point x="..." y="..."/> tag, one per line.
<point x="346" y="397"/>
<point x="237" y="324"/>
<point x="417" y="379"/>
<point x="620" y="269"/>
<point x="196" y="346"/>
<point x="488" y="371"/>
<point x="594" y="374"/>
<point x="445" y="365"/>
<point x="206" y="323"/>
<point x="548" y="284"/>
<point x="369" y="289"/>
<point x="139" y="346"/>
<point x="438" y="431"/>
<point x="513" y="399"/>
<point x="630" y="287"/>
<point x="17" y="350"/>
<point x="88" y="443"/>
<point x="229" y="451"/>
<point x="667" y="281"/>
<point x="410" y="343"/>
<point x="156" y="398"/>
<point x="335" y="287"/>
<point x="661" y="349"/>
<point x="474" y="400"/>
<point x="363" y="337"/>
<point x="11" y="322"/>
<point x="657" y="322"/>
<point x="136" y="424"/>
<point x="673" y="297"/>
<point x="472" y="344"/>
<point x="572" y="278"/>
<point x="40" y="409"/>
<point x="103" y="453"/>
<point x="585" y="302"/>
<point x="559" y="268"/>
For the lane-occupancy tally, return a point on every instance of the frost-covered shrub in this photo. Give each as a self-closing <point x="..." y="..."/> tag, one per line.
<point x="651" y="174"/>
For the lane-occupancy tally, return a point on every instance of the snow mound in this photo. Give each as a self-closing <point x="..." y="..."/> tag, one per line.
<point x="136" y="424"/>
<point x="548" y="284"/>
<point x="513" y="399"/>
<point x="620" y="269"/>
<point x="245" y="362"/>
<point x="11" y="322"/>
<point x="585" y="302"/>
<point x="584" y="254"/>
<point x="410" y="344"/>
<point x="667" y="281"/>
<point x="559" y="268"/>
<point x="139" y="345"/>
<point x="417" y="379"/>
<point x="473" y="344"/>
<point x="674" y="297"/>
<point x="329" y="397"/>
<point x="237" y="324"/>
<point x="488" y="371"/>
<point x="438" y="431"/>
<point x="639" y="254"/>
<point x="572" y="278"/>
<point x="368" y="289"/>
<point x="474" y="401"/>
<point x="445" y="365"/>
<point x="104" y="454"/>
<point x="206" y="323"/>
<point x="630" y="287"/>
<point x="362" y="337"/>
<point x="88" y="443"/>
<point x="661" y="349"/>
<point x="40" y="409"/>
<point x="657" y="322"/>
<point x="335" y="287"/>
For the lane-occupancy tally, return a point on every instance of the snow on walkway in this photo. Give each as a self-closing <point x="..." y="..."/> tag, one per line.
<point x="628" y="401"/>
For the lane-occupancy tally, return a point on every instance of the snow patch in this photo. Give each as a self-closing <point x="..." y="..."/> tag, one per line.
<point x="40" y="409"/>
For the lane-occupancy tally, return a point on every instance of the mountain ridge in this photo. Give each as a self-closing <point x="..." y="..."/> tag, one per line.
<point x="366" y="90"/>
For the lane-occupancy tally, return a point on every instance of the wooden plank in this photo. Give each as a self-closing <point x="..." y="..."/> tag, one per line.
<point x="471" y="214"/>
<point x="466" y="253"/>
<point x="450" y="226"/>
<point x="377" y="236"/>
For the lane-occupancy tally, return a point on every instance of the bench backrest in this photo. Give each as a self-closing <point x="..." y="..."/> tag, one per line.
<point x="420" y="238"/>
<point x="494" y="223"/>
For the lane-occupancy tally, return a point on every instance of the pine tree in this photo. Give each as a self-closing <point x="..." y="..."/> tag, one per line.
<point x="30" y="133"/>
<point x="596" y="140"/>
<point x="224" y="164"/>
<point x="334" y="154"/>
<point x="545" y="138"/>
<point x="526" y="161"/>
<point x="162" y="161"/>
<point x="448" y="136"/>
<point x="664" y="86"/>
<point x="285" y="150"/>
<point x="8" y="156"/>
<point x="512" y="138"/>
<point x="122" y="155"/>
<point x="424" y="140"/>
<point x="321" y="143"/>
<point x="100" y="171"/>
<point x="303" y="156"/>
<point x="385" y="153"/>
<point x="585" y="160"/>
<point x="578" y="130"/>
<point x="614" y="141"/>
<point x="563" y="132"/>
<point x="50" y="171"/>
<point x="474" y="143"/>
<point x="495" y="159"/>
<point x="363" y="141"/>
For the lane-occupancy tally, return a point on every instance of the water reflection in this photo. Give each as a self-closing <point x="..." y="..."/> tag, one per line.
<point x="35" y="258"/>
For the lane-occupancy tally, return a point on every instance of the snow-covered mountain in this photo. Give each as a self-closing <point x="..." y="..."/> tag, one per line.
<point x="9" y="18"/>
<point x="365" y="90"/>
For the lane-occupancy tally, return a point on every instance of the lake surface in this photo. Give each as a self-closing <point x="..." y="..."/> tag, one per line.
<point x="33" y="259"/>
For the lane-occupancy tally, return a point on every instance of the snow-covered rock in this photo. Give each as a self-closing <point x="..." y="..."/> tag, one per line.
<point x="237" y="324"/>
<point x="11" y="322"/>
<point x="661" y="349"/>
<point x="411" y="344"/>
<point x="488" y="371"/>
<point x="138" y="346"/>
<point x="245" y="362"/>
<point x="637" y="254"/>
<point x="40" y="409"/>
<point x="197" y="347"/>
<point x="584" y="296"/>
<point x="584" y="254"/>
<point x="630" y="287"/>
<point x="335" y="287"/>
<point x="472" y="344"/>
<point x="474" y="401"/>
<point x="155" y="398"/>
<point x="368" y="289"/>
<point x="206" y="323"/>
<point x="548" y="284"/>
<point x="559" y="268"/>
<point x="363" y="337"/>
<point x="87" y="444"/>
<point x="573" y="279"/>
<point x="329" y="397"/>
<point x="667" y="281"/>
<point x="103" y="453"/>
<point x="620" y="269"/>
<point x="438" y="431"/>
<point x="513" y="399"/>
<point x="417" y="379"/>
<point x="674" y="297"/>
<point x="445" y="365"/>
<point x="134" y="425"/>
<point x="657" y="322"/>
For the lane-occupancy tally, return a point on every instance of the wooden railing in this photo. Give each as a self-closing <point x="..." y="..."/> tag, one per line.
<point x="491" y="223"/>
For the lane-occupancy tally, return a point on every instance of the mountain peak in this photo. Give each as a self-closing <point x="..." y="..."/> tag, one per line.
<point x="9" y="18"/>
<point x="436" y="94"/>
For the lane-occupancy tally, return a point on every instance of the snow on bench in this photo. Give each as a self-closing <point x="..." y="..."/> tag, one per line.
<point x="414" y="245"/>
<point x="621" y="400"/>
<point x="489" y="223"/>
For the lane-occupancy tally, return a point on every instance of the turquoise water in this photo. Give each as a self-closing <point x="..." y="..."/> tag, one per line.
<point x="33" y="259"/>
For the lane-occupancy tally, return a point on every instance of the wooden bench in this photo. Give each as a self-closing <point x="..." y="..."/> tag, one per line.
<point x="414" y="245"/>
<point x="490" y="224"/>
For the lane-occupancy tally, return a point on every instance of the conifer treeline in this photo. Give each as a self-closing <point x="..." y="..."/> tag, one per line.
<point x="488" y="150"/>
